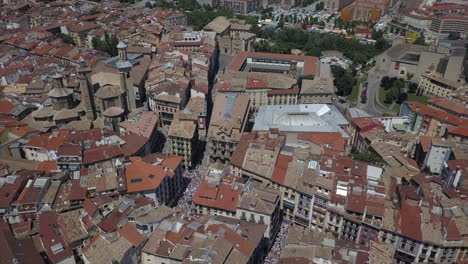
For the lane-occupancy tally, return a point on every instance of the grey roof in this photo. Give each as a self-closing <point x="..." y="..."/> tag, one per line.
<point x="60" y="92"/>
<point x="121" y="45"/>
<point x="132" y="58"/>
<point x="356" y="112"/>
<point x="301" y="118"/>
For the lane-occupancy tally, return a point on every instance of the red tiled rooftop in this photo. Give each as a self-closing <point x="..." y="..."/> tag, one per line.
<point x="310" y="62"/>
<point x="455" y="105"/>
<point x="425" y="142"/>
<point x="240" y="243"/>
<point x="223" y="196"/>
<point x="366" y="123"/>
<point x="6" y="107"/>
<point x="437" y="114"/>
<point x="48" y="166"/>
<point x="51" y="236"/>
<point x="130" y="233"/>
<point x="101" y="153"/>
<point x="454" y="164"/>
<point x="410" y="221"/>
<point x="451" y="230"/>
<point x="142" y="176"/>
<point x="330" y="140"/>
<point x="356" y="203"/>
<point x="281" y="167"/>
<point x="21" y="131"/>
<point x="256" y="83"/>
<point x="459" y="131"/>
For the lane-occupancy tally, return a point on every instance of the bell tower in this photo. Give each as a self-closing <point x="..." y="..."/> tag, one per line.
<point x="87" y="91"/>
<point x="126" y="84"/>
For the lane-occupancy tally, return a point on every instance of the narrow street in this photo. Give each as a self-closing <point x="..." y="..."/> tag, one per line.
<point x="280" y="241"/>
<point x="372" y="106"/>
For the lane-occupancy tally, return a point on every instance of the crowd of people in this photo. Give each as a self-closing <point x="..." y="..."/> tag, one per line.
<point x="195" y="178"/>
<point x="280" y="241"/>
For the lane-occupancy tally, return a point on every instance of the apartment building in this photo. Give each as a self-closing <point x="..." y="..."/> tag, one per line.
<point x="365" y="10"/>
<point x="241" y="7"/>
<point x="202" y="238"/>
<point x="233" y="35"/>
<point x="316" y="91"/>
<point x="289" y="164"/>
<point x="261" y="87"/>
<point x="433" y="84"/>
<point x="336" y="5"/>
<point x="183" y="138"/>
<point x="228" y="120"/>
<point x="450" y="24"/>
<point x="156" y="176"/>
<point x="226" y="195"/>
<point x="428" y="121"/>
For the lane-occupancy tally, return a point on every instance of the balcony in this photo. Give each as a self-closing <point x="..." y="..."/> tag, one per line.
<point x="288" y="202"/>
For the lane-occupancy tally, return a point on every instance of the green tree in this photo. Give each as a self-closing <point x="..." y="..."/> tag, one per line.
<point x="454" y="36"/>
<point x="343" y="80"/>
<point x="421" y="40"/>
<point x="409" y="76"/>
<point x="67" y="39"/>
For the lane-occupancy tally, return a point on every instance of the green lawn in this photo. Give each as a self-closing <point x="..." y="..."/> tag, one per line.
<point x="393" y="107"/>
<point x="413" y="97"/>
<point x="353" y="97"/>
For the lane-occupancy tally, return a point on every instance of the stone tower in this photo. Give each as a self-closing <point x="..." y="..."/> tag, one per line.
<point x="87" y="91"/>
<point x="61" y="97"/>
<point x="126" y="84"/>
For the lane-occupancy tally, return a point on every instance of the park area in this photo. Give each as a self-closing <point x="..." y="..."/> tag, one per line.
<point x="394" y="91"/>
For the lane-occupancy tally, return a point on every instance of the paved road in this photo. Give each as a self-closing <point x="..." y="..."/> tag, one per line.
<point x="371" y="106"/>
<point x="325" y="70"/>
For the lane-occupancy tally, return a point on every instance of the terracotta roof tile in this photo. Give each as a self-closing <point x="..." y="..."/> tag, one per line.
<point x="281" y="167"/>
<point x="142" y="176"/>
<point x="129" y="232"/>
<point x="437" y="114"/>
<point x="225" y="196"/>
<point x="310" y="63"/>
<point x="410" y="221"/>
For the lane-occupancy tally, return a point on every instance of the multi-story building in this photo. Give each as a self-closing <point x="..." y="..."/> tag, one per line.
<point x="167" y="98"/>
<point x="455" y="105"/>
<point x="366" y="10"/>
<point x="225" y="195"/>
<point x="293" y="65"/>
<point x="289" y="165"/>
<point x="433" y="84"/>
<point x="449" y="24"/>
<point x="233" y="35"/>
<point x="171" y="18"/>
<point x="228" y="120"/>
<point x="437" y="155"/>
<point x="205" y="238"/>
<point x="241" y="7"/>
<point x="290" y="3"/>
<point x="301" y="118"/>
<point x="261" y="87"/>
<point x="336" y="5"/>
<point x="317" y="91"/>
<point x="183" y="138"/>
<point x="79" y="31"/>
<point x="429" y="121"/>
<point x="403" y="58"/>
<point x="156" y="176"/>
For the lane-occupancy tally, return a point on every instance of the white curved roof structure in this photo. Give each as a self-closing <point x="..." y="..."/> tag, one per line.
<point x="301" y="118"/>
